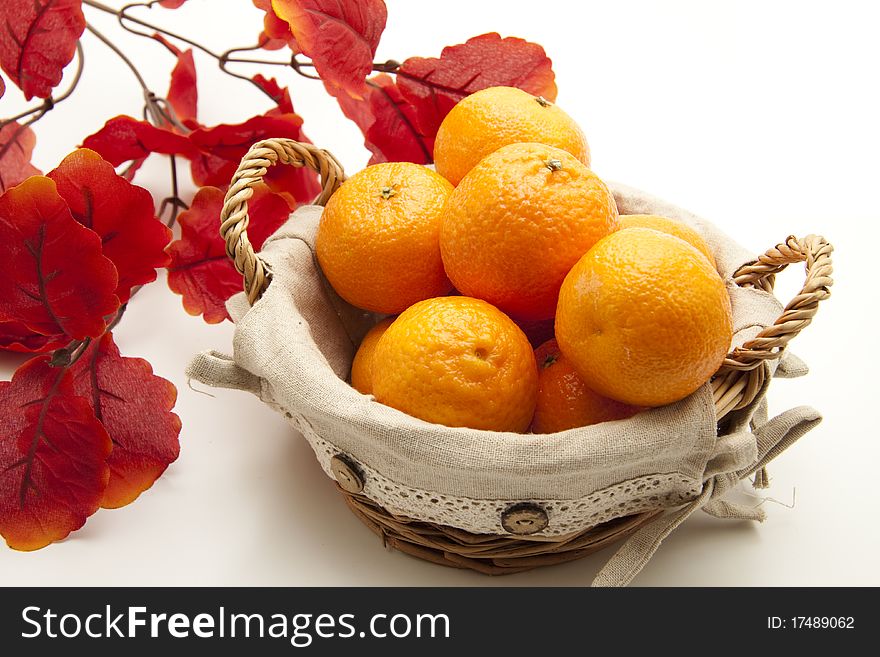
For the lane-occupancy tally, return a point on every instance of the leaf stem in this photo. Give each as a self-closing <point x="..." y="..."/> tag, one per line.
<point x="121" y="56"/>
<point x="174" y="200"/>
<point x="390" y="66"/>
<point x="122" y="15"/>
<point x="49" y="103"/>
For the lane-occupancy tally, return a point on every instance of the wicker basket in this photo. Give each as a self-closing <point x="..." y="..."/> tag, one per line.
<point x="735" y="386"/>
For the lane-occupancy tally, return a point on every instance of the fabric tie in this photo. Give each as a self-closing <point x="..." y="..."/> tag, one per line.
<point x="736" y="457"/>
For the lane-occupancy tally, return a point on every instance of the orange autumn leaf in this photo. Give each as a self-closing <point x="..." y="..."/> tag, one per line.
<point x="276" y="32"/>
<point x="134" y="405"/>
<point x="37" y="40"/>
<point x="53" y="457"/>
<point x="400" y="117"/>
<point x="433" y="85"/>
<point x="183" y="92"/>
<point x="200" y="271"/>
<point x="120" y="213"/>
<point x="16" y="146"/>
<point x="55" y="279"/>
<point x="388" y="123"/>
<point x="340" y="37"/>
<point x="15" y="336"/>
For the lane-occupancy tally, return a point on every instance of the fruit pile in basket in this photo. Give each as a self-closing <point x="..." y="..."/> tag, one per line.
<point x="514" y="243"/>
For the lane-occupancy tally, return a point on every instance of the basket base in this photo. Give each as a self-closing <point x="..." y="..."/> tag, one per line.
<point x="489" y="554"/>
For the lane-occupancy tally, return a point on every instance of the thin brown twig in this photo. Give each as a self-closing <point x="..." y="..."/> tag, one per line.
<point x="156" y="109"/>
<point x="223" y="59"/>
<point x="174" y="200"/>
<point x="266" y="62"/>
<point x="107" y="42"/>
<point x="122" y="15"/>
<point x="390" y="66"/>
<point x="49" y="103"/>
<point x="69" y="354"/>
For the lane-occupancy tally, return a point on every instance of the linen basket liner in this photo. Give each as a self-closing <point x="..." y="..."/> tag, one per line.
<point x="293" y="348"/>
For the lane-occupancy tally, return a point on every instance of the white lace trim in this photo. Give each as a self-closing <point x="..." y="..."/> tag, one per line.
<point x="484" y="516"/>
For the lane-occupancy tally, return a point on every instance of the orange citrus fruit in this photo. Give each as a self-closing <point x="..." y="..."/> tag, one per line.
<point x="517" y="223"/>
<point x="485" y="121"/>
<point x="362" y="365"/>
<point x="457" y="361"/>
<point x="671" y="226"/>
<point x="564" y="400"/>
<point x="377" y="242"/>
<point x="644" y="318"/>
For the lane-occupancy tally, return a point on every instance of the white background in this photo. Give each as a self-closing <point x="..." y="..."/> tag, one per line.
<point x="760" y="115"/>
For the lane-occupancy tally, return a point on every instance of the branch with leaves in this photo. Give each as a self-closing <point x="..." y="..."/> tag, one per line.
<point x="82" y="427"/>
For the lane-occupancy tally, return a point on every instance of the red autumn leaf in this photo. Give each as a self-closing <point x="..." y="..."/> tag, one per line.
<point x="231" y="142"/>
<point x="433" y="85"/>
<point x="15" y="336"/>
<point x="124" y="138"/>
<point x="134" y="406"/>
<point x="340" y="37"/>
<point x="222" y="147"/>
<point x="37" y="40"/>
<point x="277" y="93"/>
<point x="183" y="93"/>
<point x="2" y="86"/>
<point x="200" y="271"/>
<point x="120" y="213"/>
<point x="171" y="4"/>
<point x="276" y="32"/>
<point x="388" y="123"/>
<point x="133" y="167"/>
<point x="16" y="145"/>
<point x="53" y="457"/>
<point x="55" y="281"/>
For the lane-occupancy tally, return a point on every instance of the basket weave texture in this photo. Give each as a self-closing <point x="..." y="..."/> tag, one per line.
<point x="498" y="502"/>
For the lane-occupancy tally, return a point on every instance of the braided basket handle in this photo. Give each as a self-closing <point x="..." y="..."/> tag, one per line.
<point x="234" y="217"/>
<point x="769" y="344"/>
<point x="740" y="378"/>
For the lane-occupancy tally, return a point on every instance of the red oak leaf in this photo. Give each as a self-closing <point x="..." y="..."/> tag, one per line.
<point x="2" y="86"/>
<point x="55" y="280"/>
<point x="340" y="37"/>
<point x="222" y="147"/>
<point x="37" y="40"/>
<point x="183" y="93"/>
<point x="124" y="138"/>
<point x="200" y="271"/>
<point x="16" y="145"/>
<point x="171" y="4"/>
<point x="134" y="406"/>
<point x="53" y="457"/>
<point x="388" y="123"/>
<point x="120" y="213"/>
<point x="276" y="32"/>
<point x="15" y="336"/>
<point x="433" y="85"/>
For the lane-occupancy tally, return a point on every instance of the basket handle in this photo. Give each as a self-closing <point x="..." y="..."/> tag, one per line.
<point x="769" y="344"/>
<point x="234" y="217"/>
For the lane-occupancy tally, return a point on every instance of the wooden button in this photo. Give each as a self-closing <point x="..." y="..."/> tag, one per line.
<point x="524" y="519"/>
<point x="346" y="474"/>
